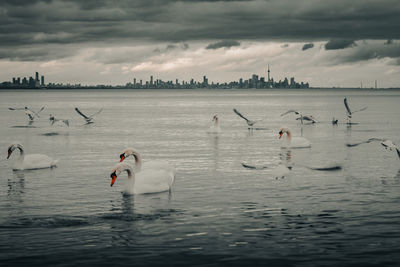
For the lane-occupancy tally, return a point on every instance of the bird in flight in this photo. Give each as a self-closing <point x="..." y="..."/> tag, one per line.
<point x="250" y="123"/>
<point x="89" y="119"/>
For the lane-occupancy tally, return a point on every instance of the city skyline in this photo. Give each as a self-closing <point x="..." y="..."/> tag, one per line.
<point x="335" y="44"/>
<point x="255" y="81"/>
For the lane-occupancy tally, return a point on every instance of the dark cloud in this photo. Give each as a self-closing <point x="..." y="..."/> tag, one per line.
<point x="226" y="44"/>
<point x="307" y="46"/>
<point x="76" y="22"/>
<point x="339" y="44"/>
<point x="368" y="51"/>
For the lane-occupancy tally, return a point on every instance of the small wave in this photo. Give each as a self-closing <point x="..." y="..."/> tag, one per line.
<point x="197" y="234"/>
<point x="23" y="126"/>
<point x="51" y="134"/>
<point x="257" y="229"/>
<point x="45" y="222"/>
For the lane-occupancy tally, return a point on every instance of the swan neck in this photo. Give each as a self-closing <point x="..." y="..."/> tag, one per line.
<point x="138" y="160"/>
<point x="216" y="122"/>
<point x="288" y="135"/>
<point x="21" y="153"/>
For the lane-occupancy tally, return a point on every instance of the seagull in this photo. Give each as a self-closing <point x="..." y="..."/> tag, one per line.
<point x="30" y="113"/>
<point x="89" y="119"/>
<point x="53" y="120"/>
<point x="348" y="110"/>
<point x="302" y="117"/>
<point x="250" y="123"/>
<point x="386" y="143"/>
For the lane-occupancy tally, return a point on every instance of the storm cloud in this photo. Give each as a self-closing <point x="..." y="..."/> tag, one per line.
<point x="307" y="46"/>
<point x="339" y="44"/>
<point x="225" y="44"/>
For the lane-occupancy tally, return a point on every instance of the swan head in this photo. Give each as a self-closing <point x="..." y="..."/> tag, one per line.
<point x="282" y="131"/>
<point x="126" y="153"/>
<point x="120" y="167"/>
<point x="11" y="148"/>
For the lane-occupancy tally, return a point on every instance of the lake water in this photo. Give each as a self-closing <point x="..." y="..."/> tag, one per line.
<point x="218" y="212"/>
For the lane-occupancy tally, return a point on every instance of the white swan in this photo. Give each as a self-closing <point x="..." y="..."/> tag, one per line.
<point x="30" y="161"/>
<point x="293" y="142"/>
<point x="150" y="165"/>
<point x="214" y="128"/>
<point x="145" y="181"/>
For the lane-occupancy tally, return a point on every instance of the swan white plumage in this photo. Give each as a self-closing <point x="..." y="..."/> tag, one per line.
<point x="293" y="142"/>
<point x="214" y="128"/>
<point x="30" y="161"/>
<point x="149" y="165"/>
<point x="145" y="181"/>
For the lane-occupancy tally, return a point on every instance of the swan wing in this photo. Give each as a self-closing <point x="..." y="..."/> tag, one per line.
<point x="153" y="181"/>
<point x="37" y="161"/>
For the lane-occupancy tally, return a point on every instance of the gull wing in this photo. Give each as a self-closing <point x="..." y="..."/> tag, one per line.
<point x="240" y="114"/>
<point x="361" y="109"/>
<point x="16" y="108"/>
<point x="83" y="115"/>
<point x="291" y="111"/>
<point x="91" y="116"/>
<point x="347" y="107"/>
<point x="367" y="141"/>
<point x="37" y="113"/>
<point x="254" y="167"/>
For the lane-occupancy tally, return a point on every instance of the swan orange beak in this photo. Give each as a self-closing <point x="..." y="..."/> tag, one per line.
<point x="280" y="135"/>
<point x="122" y="157"/>
<point x="113" y="178"/>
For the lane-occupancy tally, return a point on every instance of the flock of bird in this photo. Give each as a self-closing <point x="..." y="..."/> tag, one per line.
<point x="158" y="176"/>
<point x="52" y="119"/>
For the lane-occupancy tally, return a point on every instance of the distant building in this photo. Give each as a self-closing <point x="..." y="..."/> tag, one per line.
<point x="42" y="80"/>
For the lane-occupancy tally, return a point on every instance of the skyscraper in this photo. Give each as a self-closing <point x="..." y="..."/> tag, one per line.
<point x="42" y="81"/>
<point x="268" y="74"/>
<point x="37" y="76"/>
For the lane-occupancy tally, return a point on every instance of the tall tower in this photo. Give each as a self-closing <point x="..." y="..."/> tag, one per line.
<point x="268" y="74"/>
<point x="37" y="76"/>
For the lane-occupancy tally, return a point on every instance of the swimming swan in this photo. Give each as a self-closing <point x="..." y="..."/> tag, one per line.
<point x="214" y="128"/>
<point x="30" y="161"/>
<point x="293" y="142"/>
<point x="145" y="181"/>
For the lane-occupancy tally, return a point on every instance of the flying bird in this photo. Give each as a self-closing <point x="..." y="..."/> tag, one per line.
<point x="89" y="119"/>
<point x="348" y="110"/>
<point x="29" y="112"/>
<point x="250" y="123"/>
<point x="53" y="120"/>
<point x="386" y="143"/>
<point x="302" y="117"/>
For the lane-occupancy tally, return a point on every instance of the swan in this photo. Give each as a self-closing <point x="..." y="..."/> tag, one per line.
<point x="145" y="181"/>
<point x="151" y="165"/>
<point x="30" y="161"/>
<point x="293" y="142"/>
<point x="215" y="127"/>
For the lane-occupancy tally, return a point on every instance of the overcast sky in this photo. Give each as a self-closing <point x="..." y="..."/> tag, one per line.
<point x="327" y="43"/>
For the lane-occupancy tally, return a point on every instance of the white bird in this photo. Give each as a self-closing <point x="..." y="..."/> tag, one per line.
<point x="145" y="181"/>
<point x="302" y="117"/>
<point x="53" y="120"/>
<point x="150" y="165"/>
<point x="250" y="123"/>
<point x="30" y="113"/>
<point x="89" y="119"/>
<point x="30" y="161"/>
<point x="386" y="143"/>
<point x="349" y="112"/>
<point x="214" y="128"/>
<point x="293" y="142"/>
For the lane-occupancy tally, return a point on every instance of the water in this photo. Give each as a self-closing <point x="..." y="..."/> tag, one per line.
<point x="217" y="213"/>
